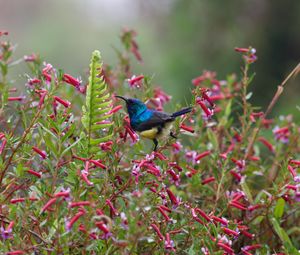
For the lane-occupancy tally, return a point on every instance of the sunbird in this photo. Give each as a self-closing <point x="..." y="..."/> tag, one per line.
<point x="150" y="123"/>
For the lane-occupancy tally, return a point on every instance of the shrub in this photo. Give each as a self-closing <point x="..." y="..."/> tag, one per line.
<point x="81" y="182"/>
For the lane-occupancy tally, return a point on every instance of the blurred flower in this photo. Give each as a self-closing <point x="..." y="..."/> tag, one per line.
<point x="135" y="81"/>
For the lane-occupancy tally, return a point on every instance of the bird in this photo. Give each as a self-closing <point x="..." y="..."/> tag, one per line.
<point x="150" y="123"/>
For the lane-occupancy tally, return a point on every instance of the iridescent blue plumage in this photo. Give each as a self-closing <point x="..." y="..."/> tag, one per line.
<point x="149" y="122"/>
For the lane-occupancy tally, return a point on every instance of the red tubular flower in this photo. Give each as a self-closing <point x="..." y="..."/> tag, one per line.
<point x="172" y="197"/>
<point x="238" y="196"/>
<point x="65" y="103"/>
<point x="203" y="214"/>
<point x="238" y="205"/>
<point x="15" y="98"/>
<point x="131" y="133"/>
<point x="37" y="174"/>
<point x="80" y="203"/>
<point x="186" y="128"/>
<point x="230" y="232"/>
<point x="135" y="81"/>
<point x="236" y="175"/>
<point x="206" y="97"/>
<point x="43" y="154"/>
<point x="251" y="247"/>
<point x="160" y="155"/>
<point x="292" y="171"/>
<point x="98" y="163"/>
<point x="208" y="180"/>
<point x="165" y="208"/>
<point x="265" y="142"/>
<point x="107" y="146"/>
<point x="157" y="230"/>
<point x="242" y="50"/>
<point x="62" y="194"/>
<point x="238" y="163"/>
<point x="207" y="111"/>
<point x="291" y="187"/>
<point x="254" y="207"/>
<point x="71" y="80"/>
<point x="135" y="50"/>
<point x="167" y="218"/>
<point x="196" y="218"/>
<point x="174" y="176"/>
<point x="18" y="252"/>
<point x="30" y="58"/>
<point x="223" y="221"/>
<point x="191" y="171"/>
<point x="225" y="247"/>
<point x="295" y="162"/>
<point x="102" y="226"/>
<point x="73" y="220"/>
<point x="112" y="208"/>
<point x="169" y="244"/>
<point x="247" y="234"/>
<point x="17" y="200"/>
<point x="84" y="176"/>
<point x="202" y="155"/>
<point x="3" y="32"/>
<point x="48" y="204"/>
<point x="115" y="109"/>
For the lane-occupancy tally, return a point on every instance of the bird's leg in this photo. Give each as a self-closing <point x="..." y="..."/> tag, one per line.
<point x="172" y="135"/>
<point x="155" y="144"/>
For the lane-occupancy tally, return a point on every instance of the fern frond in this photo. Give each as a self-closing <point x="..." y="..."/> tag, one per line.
<point x="98" y="105"/>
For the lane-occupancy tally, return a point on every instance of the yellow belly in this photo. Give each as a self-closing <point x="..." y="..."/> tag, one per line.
<point x="150" y="134"/>
<point x="153" y="133"/>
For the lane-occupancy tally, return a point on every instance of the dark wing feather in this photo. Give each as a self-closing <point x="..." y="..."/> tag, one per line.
<point x="158" y="119"/>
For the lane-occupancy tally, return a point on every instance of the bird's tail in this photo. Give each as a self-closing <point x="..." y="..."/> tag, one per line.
<point x="181" y="112"/>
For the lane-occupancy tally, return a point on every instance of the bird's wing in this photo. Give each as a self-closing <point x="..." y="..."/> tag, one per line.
<point x="158" y="119"/>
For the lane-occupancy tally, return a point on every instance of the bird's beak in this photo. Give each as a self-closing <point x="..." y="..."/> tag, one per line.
<point x="125" y="99"/>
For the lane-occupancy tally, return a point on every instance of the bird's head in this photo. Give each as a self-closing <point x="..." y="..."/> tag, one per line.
<point x="134" y="106"/>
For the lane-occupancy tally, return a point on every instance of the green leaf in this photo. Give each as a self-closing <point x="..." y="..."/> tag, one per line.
<point x="69" y="148"/>
<point x="279" y="208"/>
<point x="97" y="106"/>
<point x="247" y="191"/>
<point x="283" y="237"/>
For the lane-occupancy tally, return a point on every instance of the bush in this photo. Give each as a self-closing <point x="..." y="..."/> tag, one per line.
<point x="81" y="182"/>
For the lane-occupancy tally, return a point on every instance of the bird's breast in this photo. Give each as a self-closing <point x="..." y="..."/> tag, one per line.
<point x="150" y="134"/>
<point x="157" y="132"/>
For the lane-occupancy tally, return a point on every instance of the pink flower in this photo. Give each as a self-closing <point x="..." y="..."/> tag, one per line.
<point x="157" y="230"/>
<point x="7" y="233"/>
<point x="37" y="174"/>
<point x="3" y="32"/>
<point x="48" y="204"/>
<point x="74" y="219"/>
<point x="265" y="142"/>
<point x="169" y="244"/>
<point x="135" y="81"/>
<point x="20" y="98"/>
<point x="176" y="147"/>
<point x="31" y="58"/>
<point x="43" y="154"/>
<point x="76" y="82"/>
<point x="208" y="112"/>
<point x="63" y="102"/>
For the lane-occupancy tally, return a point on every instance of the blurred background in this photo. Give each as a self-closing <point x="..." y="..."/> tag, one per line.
<point x="178" y="39"/>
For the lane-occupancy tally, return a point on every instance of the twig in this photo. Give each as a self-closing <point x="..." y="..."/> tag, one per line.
<point x="278" y="93"/>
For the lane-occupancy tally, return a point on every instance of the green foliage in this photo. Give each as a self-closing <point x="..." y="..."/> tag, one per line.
<point x="98" y="105"/>
<point x="226" y="185"/>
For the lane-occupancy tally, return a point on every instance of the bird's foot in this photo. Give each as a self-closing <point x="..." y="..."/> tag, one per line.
<point x="173" y="135"/>
<point x="155" y="144"/>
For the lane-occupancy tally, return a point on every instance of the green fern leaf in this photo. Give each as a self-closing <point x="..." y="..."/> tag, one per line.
<point x="98" y="104"/>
